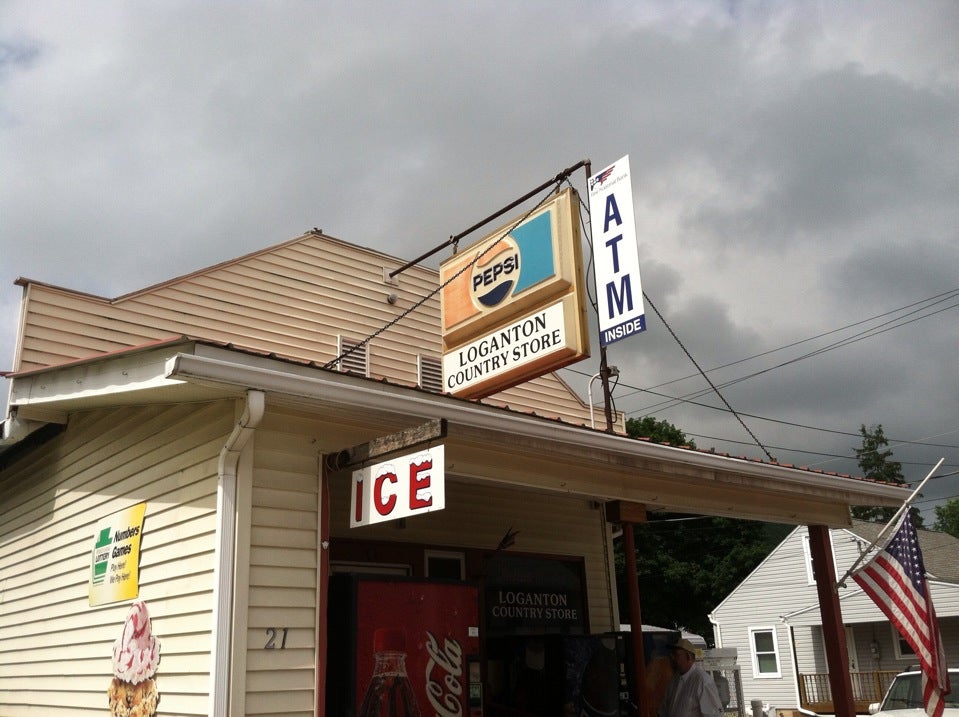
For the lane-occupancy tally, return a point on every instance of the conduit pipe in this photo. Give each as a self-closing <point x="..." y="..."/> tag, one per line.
<point x="223" y="570"/>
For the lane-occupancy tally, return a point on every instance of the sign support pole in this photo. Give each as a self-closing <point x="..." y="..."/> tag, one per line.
<point x="629" y="550"/>
<point x="603" y="365"/>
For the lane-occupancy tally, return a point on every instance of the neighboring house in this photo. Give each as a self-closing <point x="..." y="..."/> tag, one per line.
<point x="211" y="403"/>
<point x="773" y="619"/>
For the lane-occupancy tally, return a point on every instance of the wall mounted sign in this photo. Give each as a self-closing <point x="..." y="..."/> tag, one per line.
<point x="534" y="596"/>
<point x="136" y="656"/>
<point x="115" y="559"/>
<point x="513" y="304"/>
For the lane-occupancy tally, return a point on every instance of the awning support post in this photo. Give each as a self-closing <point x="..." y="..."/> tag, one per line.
<point x="837" y="656"/>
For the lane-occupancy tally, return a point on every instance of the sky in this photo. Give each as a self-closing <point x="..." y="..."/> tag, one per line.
<point x="795" y="174"/>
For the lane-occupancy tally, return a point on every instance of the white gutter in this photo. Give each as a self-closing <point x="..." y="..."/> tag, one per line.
<point x="22" y="421"/>
<point x="385" y="398"/>
<point x="223" y="573"/>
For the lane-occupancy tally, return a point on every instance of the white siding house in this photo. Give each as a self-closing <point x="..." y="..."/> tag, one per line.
<point x="773" y="619"/>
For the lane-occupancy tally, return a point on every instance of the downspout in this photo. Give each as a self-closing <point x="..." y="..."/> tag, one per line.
<point x="798" y="690"/>
<point x="223" y="570"/>
<point x="717" y="630"/>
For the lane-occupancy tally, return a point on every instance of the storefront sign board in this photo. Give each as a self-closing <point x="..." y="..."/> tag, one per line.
<point x="491" y="288"/>
<point x="400" y="487"/>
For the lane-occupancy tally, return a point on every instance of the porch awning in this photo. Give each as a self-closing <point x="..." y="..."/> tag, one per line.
<point x="484" y="442"/>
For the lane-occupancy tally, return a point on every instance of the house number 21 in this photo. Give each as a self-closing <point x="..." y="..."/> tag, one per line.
<point x="272" y="633"/>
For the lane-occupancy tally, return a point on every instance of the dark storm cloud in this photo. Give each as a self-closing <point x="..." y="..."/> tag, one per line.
<point x="845" y="152"/>
<point x="794" y="167"/>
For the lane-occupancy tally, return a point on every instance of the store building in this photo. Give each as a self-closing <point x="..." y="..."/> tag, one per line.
<point x="208" y="401"/>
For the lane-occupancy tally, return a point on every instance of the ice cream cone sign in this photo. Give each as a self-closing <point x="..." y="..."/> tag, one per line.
<point x="136" y="654"/>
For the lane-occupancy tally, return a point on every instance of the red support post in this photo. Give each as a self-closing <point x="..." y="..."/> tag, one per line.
<point x="834" y="634"/>
<point x="635" y="621"/>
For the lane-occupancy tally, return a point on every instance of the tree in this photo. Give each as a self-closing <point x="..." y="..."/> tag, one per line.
<point x="658" y="430"/>
<point x="947" y="517"/>
<point x="875" y="462"/>
<point x="687" y="564"/>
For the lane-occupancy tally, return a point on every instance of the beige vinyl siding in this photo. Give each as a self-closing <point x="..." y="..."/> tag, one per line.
<point x="292" y="300"/>
<point x="478" y="515"/>
<point x="51" y="501"/>
<point x="283" y="565"/>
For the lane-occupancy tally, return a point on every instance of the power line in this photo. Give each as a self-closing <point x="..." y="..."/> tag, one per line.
<point x="924" y="464"/>
<point x="791" y="424"/>
<point x="707" y="379"/>
<point x="925" y="304"/>
<point x="937" y="298"/>
<point x="665" y="405"/>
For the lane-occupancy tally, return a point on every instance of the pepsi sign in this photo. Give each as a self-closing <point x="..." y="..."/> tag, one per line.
<point x="492" y="279"/>
<point x="515" y="271"/>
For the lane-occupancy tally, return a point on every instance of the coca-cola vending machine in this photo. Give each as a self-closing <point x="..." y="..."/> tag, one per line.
<point x="411" y="647"/>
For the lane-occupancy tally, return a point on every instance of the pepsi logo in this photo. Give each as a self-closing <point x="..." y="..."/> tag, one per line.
<point x="494" y="275"/>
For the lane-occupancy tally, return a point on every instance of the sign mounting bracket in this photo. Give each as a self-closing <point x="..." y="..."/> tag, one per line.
<point x="433" y="430"/>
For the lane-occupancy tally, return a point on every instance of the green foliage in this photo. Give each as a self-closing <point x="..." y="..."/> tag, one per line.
<point x="875" y="462"/>
<point x="947" y="517"/>
<point x="686" y="566"/>
<point x="656" y="430"/>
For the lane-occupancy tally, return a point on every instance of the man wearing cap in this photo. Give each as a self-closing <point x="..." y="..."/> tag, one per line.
<point x="691" y="692"/>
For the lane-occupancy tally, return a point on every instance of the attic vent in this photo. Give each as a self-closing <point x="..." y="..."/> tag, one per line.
<point x="430" y="373"/>
<point x="356" y="358"/>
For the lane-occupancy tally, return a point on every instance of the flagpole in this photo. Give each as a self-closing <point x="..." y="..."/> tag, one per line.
<point x="895" y="518"/>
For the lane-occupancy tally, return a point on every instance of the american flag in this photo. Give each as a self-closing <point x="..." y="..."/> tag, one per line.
<point x="896" y="581"/>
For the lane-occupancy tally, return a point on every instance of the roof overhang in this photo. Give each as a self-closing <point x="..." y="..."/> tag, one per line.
<point x="484" y="442"/>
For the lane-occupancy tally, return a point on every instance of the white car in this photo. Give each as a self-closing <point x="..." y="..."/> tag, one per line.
<point x="904" y="697"/>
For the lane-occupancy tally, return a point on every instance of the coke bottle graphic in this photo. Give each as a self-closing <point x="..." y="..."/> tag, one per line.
<point x="389" y="693"/>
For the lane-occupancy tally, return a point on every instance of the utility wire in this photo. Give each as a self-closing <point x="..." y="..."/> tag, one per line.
<point x="806" y="451"/>
<point x="706" y="378"/>
<point x="894" y="442"/>
<point x="674" y="400"/>
<point x="839" y="344"/>
<point x="593" y="301"/>
<point x="944" y="296"/>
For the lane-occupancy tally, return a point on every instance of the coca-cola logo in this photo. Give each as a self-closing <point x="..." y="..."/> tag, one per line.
<point x="445" y="692"/>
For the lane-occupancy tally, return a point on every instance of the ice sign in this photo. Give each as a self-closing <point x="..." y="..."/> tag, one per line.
<point x="398" y="488"/>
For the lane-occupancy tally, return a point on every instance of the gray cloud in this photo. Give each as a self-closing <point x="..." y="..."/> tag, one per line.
<point x="795" y="170"/>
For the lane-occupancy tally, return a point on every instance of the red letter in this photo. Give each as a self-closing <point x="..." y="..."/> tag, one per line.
<point x="358" y="508"/>
<point x="416" y="483"/>
<point x="383" y="507"/>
